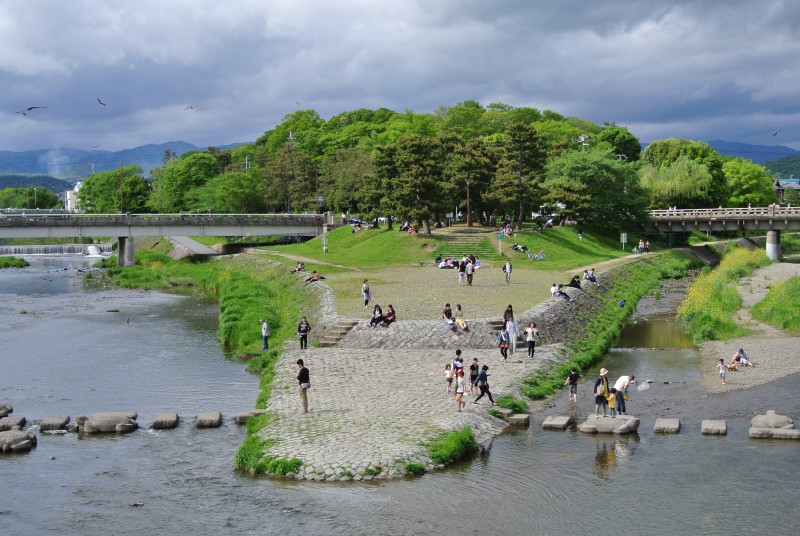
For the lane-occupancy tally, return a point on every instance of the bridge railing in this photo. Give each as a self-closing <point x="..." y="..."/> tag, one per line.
<point x="35" y="219"/>
<point x="726" y="213"/>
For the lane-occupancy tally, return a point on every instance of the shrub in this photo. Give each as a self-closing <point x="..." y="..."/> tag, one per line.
<point x="516" y="405"/>
<point x="781" y="307"/>
<point x="452" y="446"/>
<point x="412" y="468"/>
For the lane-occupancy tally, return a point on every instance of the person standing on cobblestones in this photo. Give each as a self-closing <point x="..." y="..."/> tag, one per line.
<point x="474" y="369"/>
<point x="302" y="331"/>
<point x="503" y="343"/>
<point x="483" y="385"/>
<point x="462" y="270"/>
<point x="507" y="271"/>
<point x="469" y="270"/>
<point x="460" y="388"/>
<point x="530" y="338"/>
<point x="304" y="381"/>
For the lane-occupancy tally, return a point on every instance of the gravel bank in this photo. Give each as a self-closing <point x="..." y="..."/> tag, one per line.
<point x="775" y="354"/>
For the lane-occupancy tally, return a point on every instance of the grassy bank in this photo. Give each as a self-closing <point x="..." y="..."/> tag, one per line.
<point x="781" y="307"/>
<point x="13" y="262"/>
<point x="629" y="284"/>
<point x="712" y="299"/>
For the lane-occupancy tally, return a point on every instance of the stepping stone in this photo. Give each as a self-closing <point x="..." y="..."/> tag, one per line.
<point x="712" y="427"/>
<point x="519" y="419"/>
<point x="774" y="433"/>
<point x="557" y="422"/>
<point x="54" y="423"/>
<point x="164" y="421"/>
<point x="609" y="425"/>
<point x="667" y="426"/>
<point x="209" y="419"/>
<point x="504" y="413"/>
<point x="113" y="421"/>
<point x="5" y="409"/>
<point x="16" y="441"/>
<point x="771" y="420"/>
<point x="7" y="423"/>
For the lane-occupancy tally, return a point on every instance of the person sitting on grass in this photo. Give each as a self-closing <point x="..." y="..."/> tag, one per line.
<point x="300" y="268"/>
<point x="588" y="275"/>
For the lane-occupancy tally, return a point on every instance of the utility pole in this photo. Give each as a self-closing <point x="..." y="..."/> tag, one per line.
<point x="246" y="162"/>
<point x="121" y="198"/>
<point x="469" y="214"/>
<point x="583" y="139"/>
<point x="290" y="145"/>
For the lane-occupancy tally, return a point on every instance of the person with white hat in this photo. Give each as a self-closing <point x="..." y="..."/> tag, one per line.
<point x="601" y="394"/>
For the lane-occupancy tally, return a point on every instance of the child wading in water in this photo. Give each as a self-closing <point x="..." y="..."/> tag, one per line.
<point x="722" y="369"/>
<point x="448" y="377"/>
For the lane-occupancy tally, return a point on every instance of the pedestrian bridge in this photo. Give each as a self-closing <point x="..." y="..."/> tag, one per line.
<point x="772" y="219"/>
<point x="126" y="227"/>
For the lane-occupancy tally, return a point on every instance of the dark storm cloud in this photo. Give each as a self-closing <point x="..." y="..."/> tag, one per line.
<point x="666" y="69"/>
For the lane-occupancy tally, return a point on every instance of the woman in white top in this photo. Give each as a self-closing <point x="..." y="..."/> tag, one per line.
<point x="530" y="338"/>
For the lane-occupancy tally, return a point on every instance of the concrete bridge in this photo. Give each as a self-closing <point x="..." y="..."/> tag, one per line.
<point x="128" y="226"/>
<point x="773" y="219"/>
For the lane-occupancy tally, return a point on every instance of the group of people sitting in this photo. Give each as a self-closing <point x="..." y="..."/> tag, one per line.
<point x="451" y="263"/>
<point x="407" y="228"/>
<point x="740" y="359"/>
<point x="381" y="319"/>
<point x="454" y="319"/>
<point x="557" y="291"/>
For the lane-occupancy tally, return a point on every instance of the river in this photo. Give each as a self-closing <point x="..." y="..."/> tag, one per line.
<point x="63" y="352"/>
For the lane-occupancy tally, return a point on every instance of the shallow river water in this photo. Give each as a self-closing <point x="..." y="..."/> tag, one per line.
<point x="64" y="353"/>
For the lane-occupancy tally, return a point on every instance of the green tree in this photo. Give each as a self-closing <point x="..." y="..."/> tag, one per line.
<point x="30" y="197"/>
<point x="179" y="176"/>
<point x="684" y="183"/>
<point x="665" y="153"/>
<point x="233" y="192"/>
<point x="596" y="189"/>
<point x="520" y="171"/>
<point x="343" y="181"/>
<point x="749" y="183"/>
<point x="115" y="191"/>
<point x="623" y="142"/>
<point x="470" y="171"/>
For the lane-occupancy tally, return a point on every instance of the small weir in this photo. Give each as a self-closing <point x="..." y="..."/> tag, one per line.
<point x="56" y="249"/>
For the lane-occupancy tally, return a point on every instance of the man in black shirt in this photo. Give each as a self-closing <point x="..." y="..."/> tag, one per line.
<point x="302" y="331"/>
<point x="304" y="381"/>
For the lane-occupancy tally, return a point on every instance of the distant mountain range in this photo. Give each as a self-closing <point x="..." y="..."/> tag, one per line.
<point x="75" y="164"/>
<point x="757" y="153"/>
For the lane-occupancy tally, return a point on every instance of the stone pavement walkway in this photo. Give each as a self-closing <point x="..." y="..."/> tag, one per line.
<point x="371" y="410"/>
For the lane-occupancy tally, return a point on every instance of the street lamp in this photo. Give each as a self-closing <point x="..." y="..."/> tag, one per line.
<point x="34" y="198"/>
<point x="469" y="213"/>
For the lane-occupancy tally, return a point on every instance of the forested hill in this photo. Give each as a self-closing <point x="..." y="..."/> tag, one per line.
<point x="76" y="164"/>
<point x="757" y="153"/>
<point x="53" y="184"/>
<point x="786" y="167"/>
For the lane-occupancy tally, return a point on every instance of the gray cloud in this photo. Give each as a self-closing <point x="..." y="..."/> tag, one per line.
<point x="697" y="69"/>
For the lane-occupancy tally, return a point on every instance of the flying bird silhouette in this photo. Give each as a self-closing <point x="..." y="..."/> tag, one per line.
<point x="30" y="109"/>
<point x="774" y="133"/>
<point x="101" y="103"/>
<point x="297" y="103"/>
<point x="96" y="146"/>
<point x="195" y="108"/>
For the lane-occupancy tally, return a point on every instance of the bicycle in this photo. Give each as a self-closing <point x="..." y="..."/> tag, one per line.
<point x="540" y="256"/>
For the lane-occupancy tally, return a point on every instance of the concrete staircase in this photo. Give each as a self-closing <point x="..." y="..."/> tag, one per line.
<point x="458" y="244"/>
<point x="497" y="325"/>
<point x="336" y="332"/>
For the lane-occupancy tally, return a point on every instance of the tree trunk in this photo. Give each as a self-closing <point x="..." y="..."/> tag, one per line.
<point x="426" y="226"/>
<point x="520" y="216"/>
<point x="389" y="222"/>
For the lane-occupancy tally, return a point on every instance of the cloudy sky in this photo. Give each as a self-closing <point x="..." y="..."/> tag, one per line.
<point x="698" y="69"/>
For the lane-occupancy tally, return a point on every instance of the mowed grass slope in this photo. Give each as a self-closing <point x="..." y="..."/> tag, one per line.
<point x="372" y="249"/>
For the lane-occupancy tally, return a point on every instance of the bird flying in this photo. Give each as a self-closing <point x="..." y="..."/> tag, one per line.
<point x="101" y="103"/>
<point x="195" y="108"/>
<point x="96" y="146"/>
<point x="774" y="133"/>
<point x="30" y="109"/>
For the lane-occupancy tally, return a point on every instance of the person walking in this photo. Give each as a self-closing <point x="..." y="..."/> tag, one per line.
<point x="722" y="369"/>
<point x="365" y="293"/>
<point x="460" y="388"/>
<point x="503" y="343"/>
<point x="469" y="270"/>
<point x="483" y="384"/>
<point x="462" y="270"/>
<point x="264" y="335"/>
<point x="474" y="370"/>
<point x="304" y="383"/>
<point x="621" y="386"/>
<point x="302" y="331"/>
<point x="513" y="334"/>
<point x="572" y="381"/>
<point x="507" y="271"/>
<point x="530" y="338"/>
<point x="601" y="394"/>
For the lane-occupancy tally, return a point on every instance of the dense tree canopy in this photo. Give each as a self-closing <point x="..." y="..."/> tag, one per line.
<point x="116" y="191"/>
<point x="748" y="183"/>
<point x="31" y="197"/>
<point x="596" y="189"/>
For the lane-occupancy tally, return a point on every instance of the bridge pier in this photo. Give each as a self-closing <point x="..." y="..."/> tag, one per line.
<point x="774" y="245"/>
<point x="126" y="252"/>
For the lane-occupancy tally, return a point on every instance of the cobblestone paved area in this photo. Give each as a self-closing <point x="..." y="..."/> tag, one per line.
<point x="371" y="409"/>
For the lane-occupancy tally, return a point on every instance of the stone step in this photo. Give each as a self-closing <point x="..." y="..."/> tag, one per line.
<point x="714" y="427"/>
<point x="519" y="419"/>
<point x="667" y="426"/>
<point x="210" y="419"/>
<point x="165" y="421"/>
<point x="557" y="422"/>
<point x="54" y="423"/>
